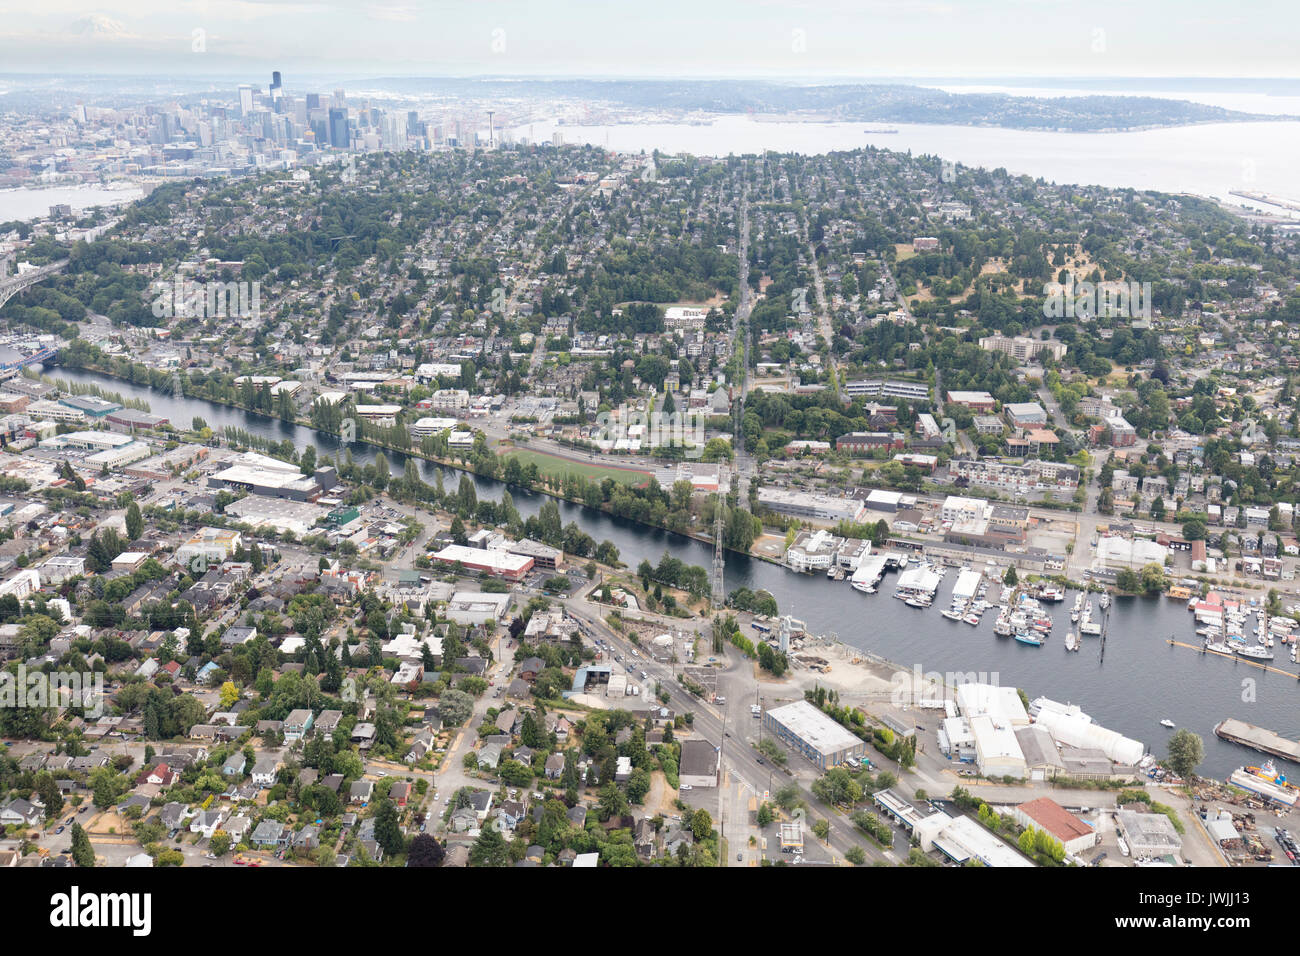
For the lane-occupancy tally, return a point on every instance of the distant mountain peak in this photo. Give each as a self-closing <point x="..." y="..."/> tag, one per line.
<point x="98" y="25"/>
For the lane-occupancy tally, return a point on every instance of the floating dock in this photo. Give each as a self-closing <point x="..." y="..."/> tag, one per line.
<point x="1233" y="657"/>
<point x="1257" y="738"/>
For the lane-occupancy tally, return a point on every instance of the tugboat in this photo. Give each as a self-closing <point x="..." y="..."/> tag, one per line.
<point x="1105" y="600"/>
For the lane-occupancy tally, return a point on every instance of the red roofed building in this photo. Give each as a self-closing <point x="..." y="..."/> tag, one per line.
<point x="1048" y="815"/>
<point x="161" y="775"/>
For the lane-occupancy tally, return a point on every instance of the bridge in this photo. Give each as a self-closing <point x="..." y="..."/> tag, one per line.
<point x="11" y="285"/>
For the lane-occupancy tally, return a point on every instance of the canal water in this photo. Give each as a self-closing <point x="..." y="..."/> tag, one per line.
<point x="1138" y="681"/>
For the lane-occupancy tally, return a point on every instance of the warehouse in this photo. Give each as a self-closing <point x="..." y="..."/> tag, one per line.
<point x="1148" y="835"/>
<point x="129" y="419"/>
<point x="813" y="734"/>
<point x="132" y="451"/>
<point x="997" y="754"/>
<point x="477" y="607"/>
<point x="87" y="441"/>
<point x="800" y="504"/>
<point x="886" y="501"/>
<point x="263" y="475"/>
<point x="990" y="700"/>
<point x="497" y="563"/>
<point x="89" y="405"/>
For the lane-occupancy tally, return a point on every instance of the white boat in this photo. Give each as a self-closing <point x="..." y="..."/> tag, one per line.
<point x="1257" y="652"/>
<point x="951" y="615"/>
<point x="1105" y="600"/>
<point x="1168" y="723"/>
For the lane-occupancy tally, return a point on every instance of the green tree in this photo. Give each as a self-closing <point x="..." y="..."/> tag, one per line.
<point x="490" y="849"/>
<point x="388" y="833"/>
<point x="1186" y="751"/>
<point x="701" y="825"/>
<point x="83" y="854"/>
<point x="134" y="521"/>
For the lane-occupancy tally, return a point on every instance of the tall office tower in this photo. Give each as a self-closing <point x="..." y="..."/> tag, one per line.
<point x="340" y="99"/>
<point x="245" y="99"/>
<point x="413" y="123"/>
<point x="277" y="90"/>
<point x="313" y="101"/>
<point x="339" y="128"/>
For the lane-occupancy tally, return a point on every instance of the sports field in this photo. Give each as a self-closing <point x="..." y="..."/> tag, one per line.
<point x="557" y="466"/>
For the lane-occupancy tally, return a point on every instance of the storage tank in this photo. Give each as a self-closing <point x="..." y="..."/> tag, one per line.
<point x="1076" y="732"/>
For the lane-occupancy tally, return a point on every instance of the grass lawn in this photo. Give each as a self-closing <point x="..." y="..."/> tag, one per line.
<point x="555" y="465"/>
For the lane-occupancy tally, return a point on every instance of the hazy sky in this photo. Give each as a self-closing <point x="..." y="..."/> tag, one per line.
<point x="665" y="38"/>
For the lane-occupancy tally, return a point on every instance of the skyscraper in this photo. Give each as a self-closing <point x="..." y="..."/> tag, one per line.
<point x="245" y="99"/>
<point x="339" y="128"/>
<point x="277" y="91"/>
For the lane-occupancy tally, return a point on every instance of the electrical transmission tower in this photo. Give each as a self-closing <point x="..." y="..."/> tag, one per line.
<point x="719" y="559"/>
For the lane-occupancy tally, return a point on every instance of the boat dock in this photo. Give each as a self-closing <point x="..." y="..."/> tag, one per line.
<point x="1257" y="738"/>
<point x="1232" y="657"/>
<point x="870" y="570"/>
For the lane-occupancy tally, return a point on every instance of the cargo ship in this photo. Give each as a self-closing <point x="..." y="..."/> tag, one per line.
<point x="1266" y="782"/>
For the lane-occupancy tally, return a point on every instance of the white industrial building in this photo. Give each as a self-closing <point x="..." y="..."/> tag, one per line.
<point x="1074" y="731"/>
<point x="997" y="753"/>
<point x="809" y="731"/>
<point x="956" y="742"/>
<point x="1116" y="552"/>
<point x="990" y="700"/>
<point x="802" y="504"/>
<point x="962" y="839"/>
